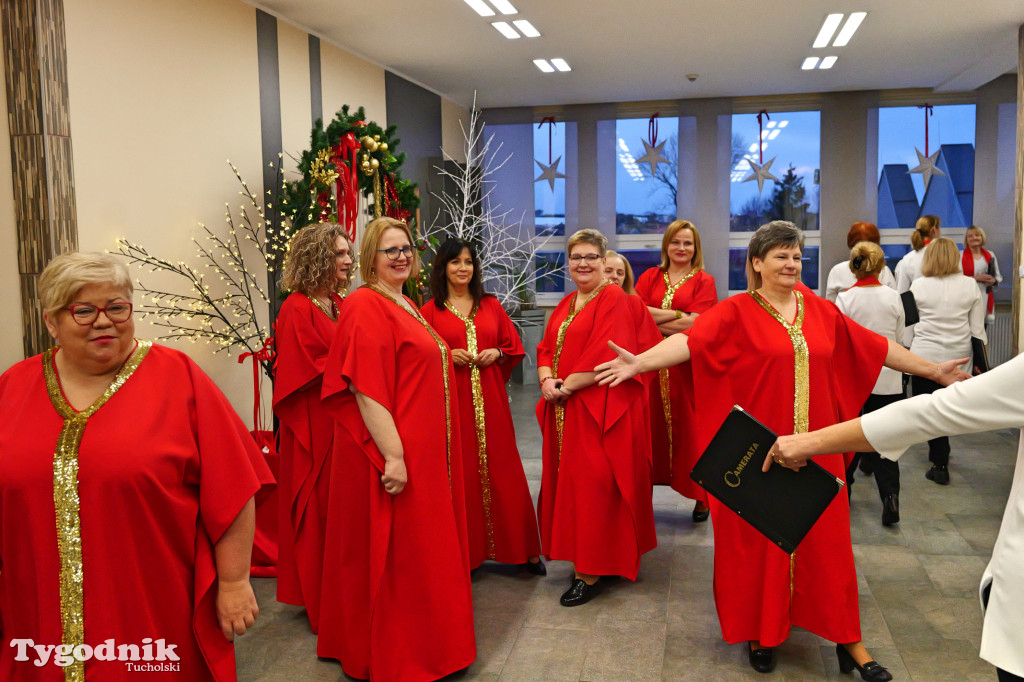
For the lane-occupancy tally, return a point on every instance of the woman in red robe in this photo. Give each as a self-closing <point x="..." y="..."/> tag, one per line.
<point x="396" y="602"/>
<point x="793" y="362"/>
<point x="316" y="270"/>
<point x="500" y="518"/>
<point x="676" y="293"/>
<point x="126" y="497"/>
<point x="595" y="501"/>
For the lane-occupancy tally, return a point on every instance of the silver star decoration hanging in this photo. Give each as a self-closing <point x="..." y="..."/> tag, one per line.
<point x="926" y="166"/>
<point x="761" y="173"/>
<point x="549" y="173"/>
<point x="652" y="155"/>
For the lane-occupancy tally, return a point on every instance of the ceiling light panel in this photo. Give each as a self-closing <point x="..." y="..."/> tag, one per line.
<point x="849" y="28"/>
<point x="504" y="6"/>
<point x="481" y="8"/>
<point x="827" y="62"/>
<point x="809" y="63"/>
<point x="526" y="28"/>
<point x="543" y="65"/>
<point x="828" y="28"/>
<point x="505" y="29"/>
<point x="561" y="64"/>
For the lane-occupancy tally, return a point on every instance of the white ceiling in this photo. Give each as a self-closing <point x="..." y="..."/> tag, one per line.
<point x="629" y="50"/>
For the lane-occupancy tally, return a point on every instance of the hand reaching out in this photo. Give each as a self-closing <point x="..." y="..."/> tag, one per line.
<point x="620" y="369"/>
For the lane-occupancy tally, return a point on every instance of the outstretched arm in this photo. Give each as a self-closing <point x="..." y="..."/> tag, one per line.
<point x="672" y="351"/>
<point x="902" y="360"/>
<point x="793" y="451"/>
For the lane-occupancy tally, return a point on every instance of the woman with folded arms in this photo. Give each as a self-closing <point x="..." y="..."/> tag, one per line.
<point x="983" y="266"/>
<point x="500" y="519"/>
<point x="794" y="362"/>
<point x="676" y="293"/>
<point x="595" y="501"/>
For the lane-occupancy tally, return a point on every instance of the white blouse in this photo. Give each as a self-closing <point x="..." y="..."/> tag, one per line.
<point x="908" y="269"/>
<point x="951" y="311"/>
<point x="880" y="309"/>
<point x="840" y="278"/>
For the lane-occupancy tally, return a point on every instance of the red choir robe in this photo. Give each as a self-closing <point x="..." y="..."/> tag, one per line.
<point x="675" y="451"/>
<point x="742" y="356"/>
<point x="396" y="601"/>
<point x="302" y="337"/>
<point x="164" y="467"/>
<point x="595" y="500"/>
<point x="500" y="519"/>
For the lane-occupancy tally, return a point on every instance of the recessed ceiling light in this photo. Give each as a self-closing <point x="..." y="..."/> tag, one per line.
<point x="527" y="28"/>
<point x="849" y="28"/>
<point x="504" y="6"/>
<point x="827" y="29"/>
<point x="505" y="30"/>
<point x="809" y="63"/>
<point x="481" y="8"/>
<point x="827" y="62"/>
<point x="543" y="65"/>
<point x="561" y="64"/>
<point x="783" y="124"/>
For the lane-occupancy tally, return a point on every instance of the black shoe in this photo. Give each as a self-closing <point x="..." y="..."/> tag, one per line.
<point x="762" y="660"/>
<point x="939" y="474"/>
<point x="534" y="568"/>
<point x="579" y="593"/>
<point x="871" y="671"/>
<point x="891" y="510"/>
<point x="701" y="515"/>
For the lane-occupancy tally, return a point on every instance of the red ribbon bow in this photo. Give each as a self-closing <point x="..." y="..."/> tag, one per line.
<point x="265" y="354"/>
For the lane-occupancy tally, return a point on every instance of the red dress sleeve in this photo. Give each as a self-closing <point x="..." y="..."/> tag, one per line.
<point x="546" y="347"/>
<point x="704" y="294"/>
<point x="509" y="342"/>
<point x="302" y="353"/>
<point x="645" y="284"/>
<point x="362" y="353"/>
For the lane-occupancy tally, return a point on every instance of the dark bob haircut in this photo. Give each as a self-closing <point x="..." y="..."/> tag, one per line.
<point x="446" y="253"/>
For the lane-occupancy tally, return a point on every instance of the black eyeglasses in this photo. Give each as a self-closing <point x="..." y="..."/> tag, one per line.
<point x="393" y="252"/>
<point x="85" y="314"/>
<point x="590" y="258"/>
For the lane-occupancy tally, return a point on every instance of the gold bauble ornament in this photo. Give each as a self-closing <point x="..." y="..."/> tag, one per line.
<point x="365" y="164"/>
<point x="376" y="138"/>
<point x="367" y="141"/>
<point x="384" y="146"/>
<point x="374" y="163"/>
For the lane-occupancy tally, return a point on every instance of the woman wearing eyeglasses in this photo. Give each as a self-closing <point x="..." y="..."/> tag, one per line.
<point x="123" y="471"/>
<point x="315" y="271"/>
<point x="396" y="601"/>
<point x="595" y="500"/>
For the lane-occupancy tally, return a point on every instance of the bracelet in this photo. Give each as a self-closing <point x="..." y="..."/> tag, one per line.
<point x="543" y="380"/>
<point x="501" y="355"/>
<point x="679" y="314"/>
<point x="561" y="388"/>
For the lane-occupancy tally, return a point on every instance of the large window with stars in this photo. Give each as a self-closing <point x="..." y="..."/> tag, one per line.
<point x="646" y="174"/>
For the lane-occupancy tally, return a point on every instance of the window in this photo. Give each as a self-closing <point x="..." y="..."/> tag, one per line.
<point x="902" y="195"/>
<point x="645" y="202"/>
<point x="549" y="192"/>
<point x="738" y="267"/>
<point x="641" y="260"/>
<point x="550" y="272"/>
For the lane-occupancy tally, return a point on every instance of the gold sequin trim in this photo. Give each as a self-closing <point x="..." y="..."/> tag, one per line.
<point x="801" y="360"/>
<point x="562" y="329"/>
<point x="66" y="501"/>
<point x="444" y="370"/>
<point x="332" y="314"/>
<point x="478" y="418"/>
<point x="663" y="375"/>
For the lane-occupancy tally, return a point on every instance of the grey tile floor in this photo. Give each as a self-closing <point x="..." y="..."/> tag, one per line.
<point x="918" y="592"/>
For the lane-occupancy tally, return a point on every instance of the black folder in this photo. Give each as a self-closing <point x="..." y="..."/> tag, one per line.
<point x="781" y="504"/>
<point x="979" y="358"/>
<point x="910" y="314"/>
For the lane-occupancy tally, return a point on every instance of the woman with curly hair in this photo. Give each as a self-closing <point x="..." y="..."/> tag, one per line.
<point x="316" y="270"/>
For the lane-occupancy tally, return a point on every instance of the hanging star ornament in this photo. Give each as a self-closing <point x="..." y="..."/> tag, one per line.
<point x="549" y="172"/>
<point x="926" y="166"/>
<point x="652" y="155"/>
<point x="760" y="173"/>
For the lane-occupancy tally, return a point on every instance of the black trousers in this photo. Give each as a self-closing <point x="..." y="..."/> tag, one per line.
<point x="886" y="471"/>
<point x="938" y="448"/>
<point x="1000" y="673"/>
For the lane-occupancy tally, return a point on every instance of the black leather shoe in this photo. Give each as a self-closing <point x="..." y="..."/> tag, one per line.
<point x="535" y="568"/>
<point x="871" y="671"/>
<point x="701" y="515"/>
<point x="891" y="510"/>
<point x="579" y="593"/>
<point x="939" y="474"/>
<point x="762" y="660"/>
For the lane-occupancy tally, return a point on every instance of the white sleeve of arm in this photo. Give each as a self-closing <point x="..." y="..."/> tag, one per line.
<point x="990" y="401"/>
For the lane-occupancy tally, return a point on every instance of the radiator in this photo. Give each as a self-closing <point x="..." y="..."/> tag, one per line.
<point x="999" y="335"/>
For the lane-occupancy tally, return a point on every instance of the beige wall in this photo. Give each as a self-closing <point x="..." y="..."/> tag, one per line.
<point x="11" y="346"/>
<point x="296" y="115"/>
<point x="346" y="79"/>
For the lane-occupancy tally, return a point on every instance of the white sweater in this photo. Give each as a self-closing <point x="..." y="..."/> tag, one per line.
<point x="993" y="400"/>
<point x="951" y="311"/>
<point x="880" y="309"/>
<point x="908" y="269"/>
<point x="840" y="278"/>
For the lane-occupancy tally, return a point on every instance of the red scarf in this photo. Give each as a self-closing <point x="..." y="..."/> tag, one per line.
<point x="967" y="263"/>
<point x="870" y="281"/>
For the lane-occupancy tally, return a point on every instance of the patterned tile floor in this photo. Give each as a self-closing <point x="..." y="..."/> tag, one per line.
<point x="918" y="593"/>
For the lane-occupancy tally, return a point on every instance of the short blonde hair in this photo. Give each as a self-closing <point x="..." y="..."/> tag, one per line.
<point x="627" y="281"/>
<point x="66" y="274"/>
<point x="941" y="258"/>
<point x="670" y="232"/>
<point x="979" y="231"/>
<point x="592" y="237"/>
<point x="309" y="265"/>
<point x="866" y="259"/>
<point x="371" y="242"/>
